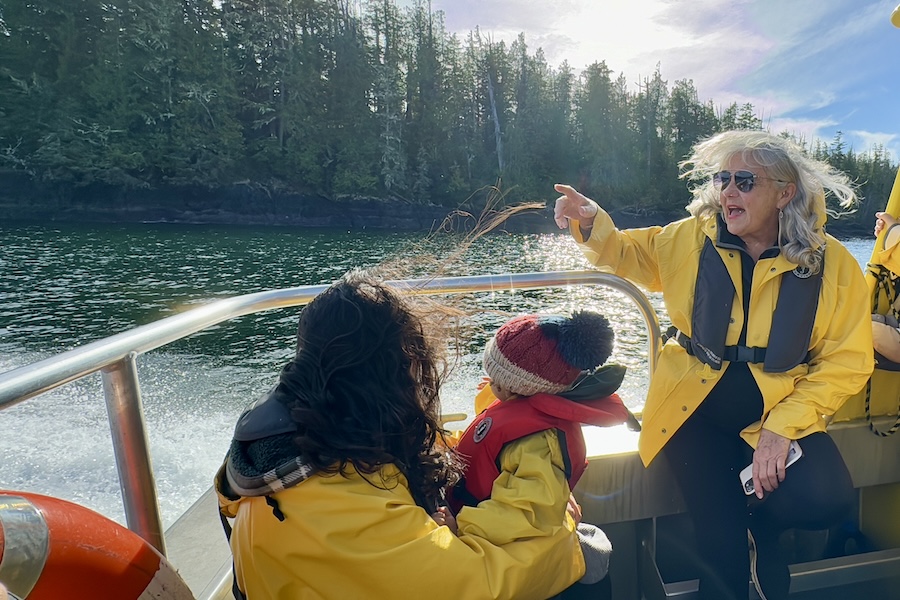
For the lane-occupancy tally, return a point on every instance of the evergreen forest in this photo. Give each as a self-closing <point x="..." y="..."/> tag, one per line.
<point x="343" y="100"/>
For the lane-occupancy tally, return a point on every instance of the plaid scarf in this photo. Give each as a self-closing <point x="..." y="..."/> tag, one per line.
<point x="262" y="467"/>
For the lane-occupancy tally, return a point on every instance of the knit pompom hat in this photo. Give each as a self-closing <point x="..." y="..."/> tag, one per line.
<point x="546" y="353"/>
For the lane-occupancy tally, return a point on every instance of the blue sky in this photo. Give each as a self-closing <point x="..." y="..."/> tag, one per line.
<point x="811" y="67"/>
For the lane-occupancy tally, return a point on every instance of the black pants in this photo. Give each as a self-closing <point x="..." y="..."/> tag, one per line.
<point x="706" y="455"/>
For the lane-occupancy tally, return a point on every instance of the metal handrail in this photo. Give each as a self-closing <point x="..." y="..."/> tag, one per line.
<point x="116" y="356"/>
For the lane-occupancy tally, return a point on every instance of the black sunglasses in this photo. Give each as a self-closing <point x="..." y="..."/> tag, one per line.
<point x="743" y="180"/>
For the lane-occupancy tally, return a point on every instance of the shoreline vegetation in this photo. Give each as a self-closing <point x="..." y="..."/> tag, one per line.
<point x="321" y="114"/>
<point x="241" y="205"/>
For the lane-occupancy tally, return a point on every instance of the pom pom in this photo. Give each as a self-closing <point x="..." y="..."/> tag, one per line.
<point x="585" y="340"/>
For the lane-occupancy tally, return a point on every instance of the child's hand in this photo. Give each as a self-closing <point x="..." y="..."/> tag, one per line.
<point x="484" y="382"/>
<point x="574" y="509"/>
<point x="444" y="516"/>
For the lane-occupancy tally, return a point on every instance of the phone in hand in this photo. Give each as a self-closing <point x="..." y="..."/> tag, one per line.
<point x="794" y="453"/>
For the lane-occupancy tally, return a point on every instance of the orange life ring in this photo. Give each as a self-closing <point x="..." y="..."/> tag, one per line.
<point x="51" y="549"/>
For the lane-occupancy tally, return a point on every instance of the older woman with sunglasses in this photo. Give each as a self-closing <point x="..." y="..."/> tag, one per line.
<point x="770" y="335"/>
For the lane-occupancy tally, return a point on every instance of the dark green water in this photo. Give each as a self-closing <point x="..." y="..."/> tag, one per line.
<point x="65" y="285"/>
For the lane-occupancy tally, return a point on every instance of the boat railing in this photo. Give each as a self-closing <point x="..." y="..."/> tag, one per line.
<point x="116" y="359"/>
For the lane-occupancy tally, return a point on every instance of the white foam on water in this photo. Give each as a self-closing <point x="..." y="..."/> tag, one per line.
<point x="59" y="443"/>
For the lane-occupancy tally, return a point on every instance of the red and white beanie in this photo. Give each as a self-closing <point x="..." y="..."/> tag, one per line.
<point x="547" y="353"/>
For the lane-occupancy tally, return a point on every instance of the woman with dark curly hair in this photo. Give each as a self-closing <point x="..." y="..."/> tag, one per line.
<point x="331" y="477"/>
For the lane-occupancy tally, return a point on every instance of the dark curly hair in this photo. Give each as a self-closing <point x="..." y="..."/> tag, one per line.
<point x="363" y="387"/>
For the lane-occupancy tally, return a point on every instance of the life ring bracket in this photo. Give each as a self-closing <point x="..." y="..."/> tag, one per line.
<point x="26" y="544"/>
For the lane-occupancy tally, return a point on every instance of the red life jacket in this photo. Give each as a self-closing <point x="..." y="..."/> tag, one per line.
<point x="504" y="422"/>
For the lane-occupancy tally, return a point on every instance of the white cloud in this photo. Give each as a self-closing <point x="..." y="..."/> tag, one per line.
<point x="868" y="139"/>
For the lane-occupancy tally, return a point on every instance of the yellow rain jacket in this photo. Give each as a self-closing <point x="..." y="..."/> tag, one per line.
<point x="886" y="337"/>
<point x="529" y="497"/>
<point x="795" y="403"/>
<point x="344" y="538"/>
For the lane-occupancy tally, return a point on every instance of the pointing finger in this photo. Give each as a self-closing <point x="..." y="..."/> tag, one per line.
<point x="569" y="191"/>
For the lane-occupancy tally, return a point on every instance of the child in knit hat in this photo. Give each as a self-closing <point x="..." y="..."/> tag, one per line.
<point x="526" y="451"/>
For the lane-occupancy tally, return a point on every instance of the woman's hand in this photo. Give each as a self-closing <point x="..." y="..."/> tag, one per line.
<point x="882" y="220"/>
<point x="573" y="205"/>
<point x="769" y="462"/>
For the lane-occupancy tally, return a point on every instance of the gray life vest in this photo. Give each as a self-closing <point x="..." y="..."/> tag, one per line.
<point x="792" y="322"/>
